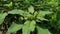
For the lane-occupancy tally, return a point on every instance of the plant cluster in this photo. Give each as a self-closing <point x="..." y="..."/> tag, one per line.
<point x="30" y="16"/>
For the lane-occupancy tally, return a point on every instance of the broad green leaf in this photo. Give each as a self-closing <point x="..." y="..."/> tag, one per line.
<point x="2" y="17"/>
<point x="16" y="11"/>
<point x="41" y="15"/>
<point x="28" y="27"/>
<point x="14" y="27"/>
<point x="20" y="12"/>
<point x="25" y="14"/>
<point x="31" y="9"/>
<point x="32" y="25"/>
<point x="25" y="30"/>
<point x="42" y="30"/>
<point x="41" y="18"/>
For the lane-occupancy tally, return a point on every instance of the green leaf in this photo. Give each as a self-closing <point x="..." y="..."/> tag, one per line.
<point x="42" y="30"/>
<point x="35" y="13"/>
<point x="16" y="11"/>
<point x="28" y="27"/>
<point x="2" y="17"/>
<point x="32" y="25"/>
<point x="54" y="2"/>
<point x="41" y="18"/>
<point x="41" y="15"/>
<point x="20" y="12"/>
<point x="25" y="14"/>
<point x="14" y="27"/>
<point x="10" y="4"/>
<point x="27" y="1"/>
<point x="31" y="9"/>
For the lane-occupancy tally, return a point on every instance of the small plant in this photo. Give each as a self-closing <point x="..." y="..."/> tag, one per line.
<point x="30" y="16"/>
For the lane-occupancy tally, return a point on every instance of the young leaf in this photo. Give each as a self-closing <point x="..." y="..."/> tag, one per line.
<point x="31" y="9"/>
<point x="14" y="27"/>
<point x="2" y="17"/>
<point x="28" y="27"/>
<point x="42" y="30"/>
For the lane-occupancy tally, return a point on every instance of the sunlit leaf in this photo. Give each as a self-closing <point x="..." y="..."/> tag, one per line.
<point x="31" y="9"/>
<point x="14" y="27"/>
<point x="28" y="27"/>
<point x="2" y="17"/>
<point x="16" y="11"/>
